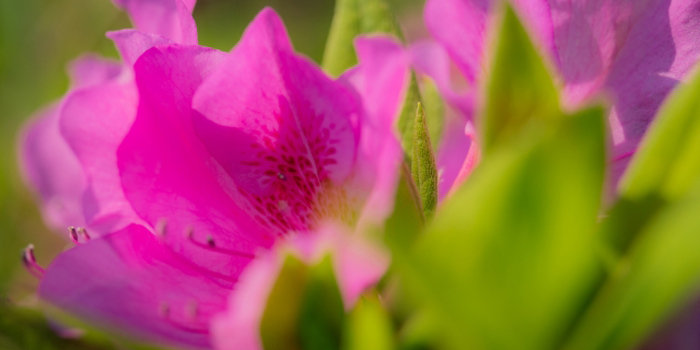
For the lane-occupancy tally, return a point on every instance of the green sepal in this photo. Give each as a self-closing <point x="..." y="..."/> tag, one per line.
<point x="407" y="116"/>
<point x="434" y="110"/>
<point x="423" y="166"/>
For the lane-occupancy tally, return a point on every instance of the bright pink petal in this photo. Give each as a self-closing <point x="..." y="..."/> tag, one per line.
<point x="170" y="178"/>
<point x="130" y="282"/>
<point x="171" y="19"/>
<point x="358" y="265"/>
<point x="283" y="130"/>
<point x="381" y="78"/>
<point x="52" y="170"/>
<point x="93" y="122"/>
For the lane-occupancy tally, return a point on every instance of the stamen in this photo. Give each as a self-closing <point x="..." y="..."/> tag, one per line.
<point x="73" y="233"/>
<point x="84" y="232"/>
<point x="161" y="227"/>
<point x="164" y="311"/>
<point x="76" y="234"/>
<point x="29" y="261"/>
<point x="281" y="176"/>
<point x="211" y="245"/>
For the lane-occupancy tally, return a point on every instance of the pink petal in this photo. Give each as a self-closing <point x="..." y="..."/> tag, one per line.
<point x="90" y="69"/>
<point x="460" y="26"/>
<point x="471" y="160"/>
<point x="131" y="43"/>
<point x="358" y="265"/>
<point x="283" y="130"/>
<point x="451" y="155"/>
<point x="52" y="170"/>
<point x="93" y="122"/>
<point x="431" y="59"/>
<point x="381" y="78"/>
<point x="129" y="282"/>
<point x="171" y="19"/>
<point x="169" y="177"/>
<point x="659" y="51"/>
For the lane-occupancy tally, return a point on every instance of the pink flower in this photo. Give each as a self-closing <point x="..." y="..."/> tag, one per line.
<point x="357" y="263"/>
<point x="636" y="51"/>
<point x="206" y="158"/>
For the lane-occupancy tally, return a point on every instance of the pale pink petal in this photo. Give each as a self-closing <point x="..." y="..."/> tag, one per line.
<point x="471" y="160"/>
<point x="168" y="176"/>
<point x="52" y="170"/>
<point x="171" y="19"/>
<point x="461" y="27"/>
<point x="284" y="131"/>
<point x="90" y="69"/>
<point x="358" y="265"/>
<point x="129" y="282"/>
<point x="432" y="59"/>
<point x="659" y="51"/>
<point x="451" y="154"/>
<point x="93" y="122"/>
<point x="131" y="43"/>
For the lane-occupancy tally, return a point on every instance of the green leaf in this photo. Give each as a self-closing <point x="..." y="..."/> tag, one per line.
<point x="509" y="260"/>
<point x="406" y="221"/>
<point x="340" y="53"/>
<point x="660" y="274"/>
<point x="434" y="109"/>
<point x="304" y="309"/>
<point x="352" y="18"/>
<point x="369" y="327"/>
<point x="407" y="116"/>
<point x="423" y="166"/>
<point x="519" y="88"/>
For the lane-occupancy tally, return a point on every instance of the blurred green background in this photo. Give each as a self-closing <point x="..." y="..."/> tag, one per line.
<point x="39" y="37"/>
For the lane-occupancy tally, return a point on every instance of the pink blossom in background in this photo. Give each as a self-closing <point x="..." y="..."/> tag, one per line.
<point x="635" y="51"/>
<point x="206" y="159"/>
<point x="68" y="152"/>
<point x="357" y="263"/>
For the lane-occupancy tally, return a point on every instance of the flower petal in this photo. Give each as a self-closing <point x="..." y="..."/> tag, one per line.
<point x="51" y="168"/>
<point x="130" y="282"/>
<point x="90" y="69"/>
<point x="283" y="130"/>
<point x="131" y="43"/>
<point x="169" y="177"/>
<point x="381" y="78"/>
<point x="171" y="19"/>
<point x="658" y="52"/>
<point x="93" y="122"/>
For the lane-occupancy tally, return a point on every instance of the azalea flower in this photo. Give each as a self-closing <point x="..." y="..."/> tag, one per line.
<point x="636" y="51"/>
<point x="200" y="159"/>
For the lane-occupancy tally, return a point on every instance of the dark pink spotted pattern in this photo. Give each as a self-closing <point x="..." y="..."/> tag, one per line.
<point x="290" y="166"/>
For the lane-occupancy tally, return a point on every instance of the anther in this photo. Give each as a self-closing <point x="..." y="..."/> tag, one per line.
<point x="211" y="245"/>
<point x="84" y="233"/>
<point x="161" y="227"/>
<point x="73" y="233"/>
<point x="281" y="177"/>
<point x="29" y="261"/>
